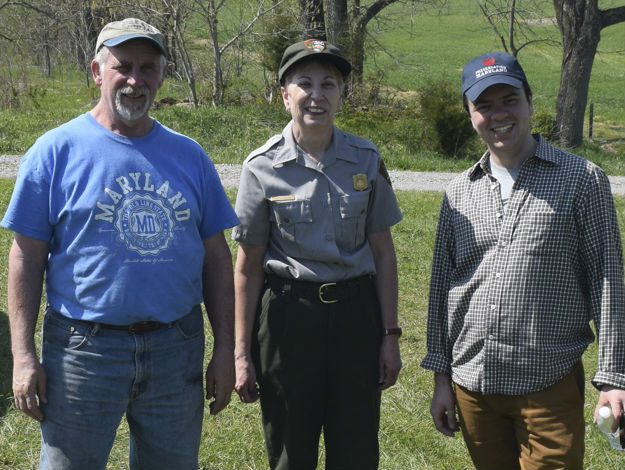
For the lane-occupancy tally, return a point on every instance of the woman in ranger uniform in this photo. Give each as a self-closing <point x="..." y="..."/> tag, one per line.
<point x="316" y="275"/>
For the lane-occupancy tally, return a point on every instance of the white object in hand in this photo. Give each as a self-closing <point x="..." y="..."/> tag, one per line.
<point x="604" y="423"/>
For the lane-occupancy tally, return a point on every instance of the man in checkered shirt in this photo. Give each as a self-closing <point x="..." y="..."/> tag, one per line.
<point x="527" y="252"/>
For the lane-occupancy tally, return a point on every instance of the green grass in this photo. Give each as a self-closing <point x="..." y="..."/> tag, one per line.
<point x="411" y="51"/>
<point x="233" y="439"/>
<point x="439" y="43"/>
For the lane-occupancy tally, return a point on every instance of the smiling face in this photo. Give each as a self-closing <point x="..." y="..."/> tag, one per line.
<point x="129" y="79"/>
<point x="312" y="94"/>
<point x="501" y="117"/>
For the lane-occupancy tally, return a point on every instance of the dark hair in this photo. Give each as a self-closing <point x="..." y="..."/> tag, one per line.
<point x="526" y="88"/>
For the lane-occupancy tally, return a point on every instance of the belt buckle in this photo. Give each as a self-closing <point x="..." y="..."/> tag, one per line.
<point x="321" y="288"/>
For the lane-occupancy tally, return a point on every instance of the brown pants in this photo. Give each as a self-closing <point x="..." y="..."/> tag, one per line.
<point x="542" y="430"/>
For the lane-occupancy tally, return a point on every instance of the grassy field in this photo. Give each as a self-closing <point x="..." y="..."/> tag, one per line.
<point x="233" y="439"/>
<point x="412" y="50"/>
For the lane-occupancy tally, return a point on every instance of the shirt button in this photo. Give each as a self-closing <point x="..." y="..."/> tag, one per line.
<point x="493" y="307"/>
<point x="498" y="214"/>
<point x="498" y="275"/>
<point x="491" y="337"/>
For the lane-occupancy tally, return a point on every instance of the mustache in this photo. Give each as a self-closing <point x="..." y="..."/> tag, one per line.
<point x="134" y="91"/>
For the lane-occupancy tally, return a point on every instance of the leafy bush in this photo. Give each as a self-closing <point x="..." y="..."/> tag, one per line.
<point x="543" y="122"/>
<point x="393" y="127"/>
<point x="446" y="127"/>
<point x="279" y="33"/>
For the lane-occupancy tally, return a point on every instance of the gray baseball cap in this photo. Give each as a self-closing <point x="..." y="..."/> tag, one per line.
<point x="118" y="32"/>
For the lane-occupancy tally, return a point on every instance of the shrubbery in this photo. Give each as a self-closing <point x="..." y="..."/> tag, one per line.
<point x="446" y="126"/>
<point x="543" y="122"/>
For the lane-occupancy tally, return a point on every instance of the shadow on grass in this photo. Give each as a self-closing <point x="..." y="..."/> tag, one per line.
<point x="6" y="365"/>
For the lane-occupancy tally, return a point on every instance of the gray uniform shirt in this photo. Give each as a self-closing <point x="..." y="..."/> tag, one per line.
<point x="315" y="218"/>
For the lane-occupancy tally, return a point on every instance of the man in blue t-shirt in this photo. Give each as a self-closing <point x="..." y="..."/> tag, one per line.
<point x="125" y="219"/>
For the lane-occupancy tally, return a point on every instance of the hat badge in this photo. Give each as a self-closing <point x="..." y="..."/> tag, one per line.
<point x="489" y="61"/>
<point x="315" y="45"/>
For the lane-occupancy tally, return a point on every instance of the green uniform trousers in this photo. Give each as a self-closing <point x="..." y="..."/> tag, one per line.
<point x="317" y="369"/>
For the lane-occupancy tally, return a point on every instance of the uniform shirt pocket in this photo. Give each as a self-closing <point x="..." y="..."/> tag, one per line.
<point x="351" y="226"/>
<point x="290" y="217"/>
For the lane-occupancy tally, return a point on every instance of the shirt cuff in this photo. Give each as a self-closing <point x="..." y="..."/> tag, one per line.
<point x="437" y="363"/>
<point x="614" y="379"/>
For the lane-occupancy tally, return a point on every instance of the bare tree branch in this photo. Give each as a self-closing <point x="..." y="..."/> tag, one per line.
<point x="612" y="16"/>
<point x="28" y="5"/>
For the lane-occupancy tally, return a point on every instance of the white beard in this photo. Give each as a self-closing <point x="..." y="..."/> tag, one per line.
<point x="136" y="111"/>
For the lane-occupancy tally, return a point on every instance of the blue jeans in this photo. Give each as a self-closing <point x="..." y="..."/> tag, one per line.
<point x="96" y="375"/>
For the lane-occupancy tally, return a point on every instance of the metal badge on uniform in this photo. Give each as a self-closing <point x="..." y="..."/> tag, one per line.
<point x="360" y="182"/>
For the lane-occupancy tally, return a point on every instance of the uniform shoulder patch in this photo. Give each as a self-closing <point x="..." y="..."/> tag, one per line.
<point x="265" y="147"/>
<point x="384" y="172"/>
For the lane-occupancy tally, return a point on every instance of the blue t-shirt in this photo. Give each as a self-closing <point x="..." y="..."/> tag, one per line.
<point x="125" y="219"/>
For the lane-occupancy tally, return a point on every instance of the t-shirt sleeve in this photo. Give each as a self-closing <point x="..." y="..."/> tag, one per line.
<point x="28" y="212"/>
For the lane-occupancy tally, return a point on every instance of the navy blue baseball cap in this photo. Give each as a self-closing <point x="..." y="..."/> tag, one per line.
<point x="490" y="69"/>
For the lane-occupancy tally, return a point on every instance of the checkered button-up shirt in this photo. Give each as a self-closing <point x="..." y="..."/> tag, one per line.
<point x="512" y="294"/>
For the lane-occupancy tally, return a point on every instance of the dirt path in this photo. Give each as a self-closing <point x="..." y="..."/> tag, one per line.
<point x="402" y="180"/>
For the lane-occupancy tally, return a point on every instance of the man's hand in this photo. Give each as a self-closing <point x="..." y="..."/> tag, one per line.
<point x="29" y="385"/>
<point x="390" y="362"/>
<point x="219" y="381"/>
<point x="443" y="407"/>
<point x="246" y="385"/>
<point x="615" y="399"/>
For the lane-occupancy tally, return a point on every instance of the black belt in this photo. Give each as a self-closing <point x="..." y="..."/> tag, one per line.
<point x="324" y="292"/>
<point x="139" y="327"/>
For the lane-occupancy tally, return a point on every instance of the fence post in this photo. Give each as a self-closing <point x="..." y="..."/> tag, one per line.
<point x="590" y="119"/>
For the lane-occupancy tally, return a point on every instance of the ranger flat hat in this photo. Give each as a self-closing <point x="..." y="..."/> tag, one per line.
<point x="118" y="32"/>
<point x="312" y="48"/>
<point x="490" y="69"/>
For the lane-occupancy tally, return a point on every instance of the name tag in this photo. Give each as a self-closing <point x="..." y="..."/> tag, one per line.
<point x="287" y="197"/>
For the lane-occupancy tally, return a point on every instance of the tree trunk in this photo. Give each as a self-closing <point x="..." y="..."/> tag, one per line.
<point x="360" y="17"/>
<point x="580" y="26"/>
<point x="357" y="51"/>
<point x="337" y="24"/>
<point x="312" y="19"/>
<point x="218" y="79"/>
<point x="180" y="43"/>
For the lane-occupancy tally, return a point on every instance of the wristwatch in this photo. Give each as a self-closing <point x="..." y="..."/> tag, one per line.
<point x="391" y="332"/>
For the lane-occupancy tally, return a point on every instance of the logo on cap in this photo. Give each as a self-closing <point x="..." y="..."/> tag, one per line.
<point x="489" y="61"/>
<point x="315" y="45"/>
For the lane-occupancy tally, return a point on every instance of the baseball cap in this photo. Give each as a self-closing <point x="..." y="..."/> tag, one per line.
<point x="118" y="32"/>
<point x="312" y="48"/>
<point x="490" y="69"/>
